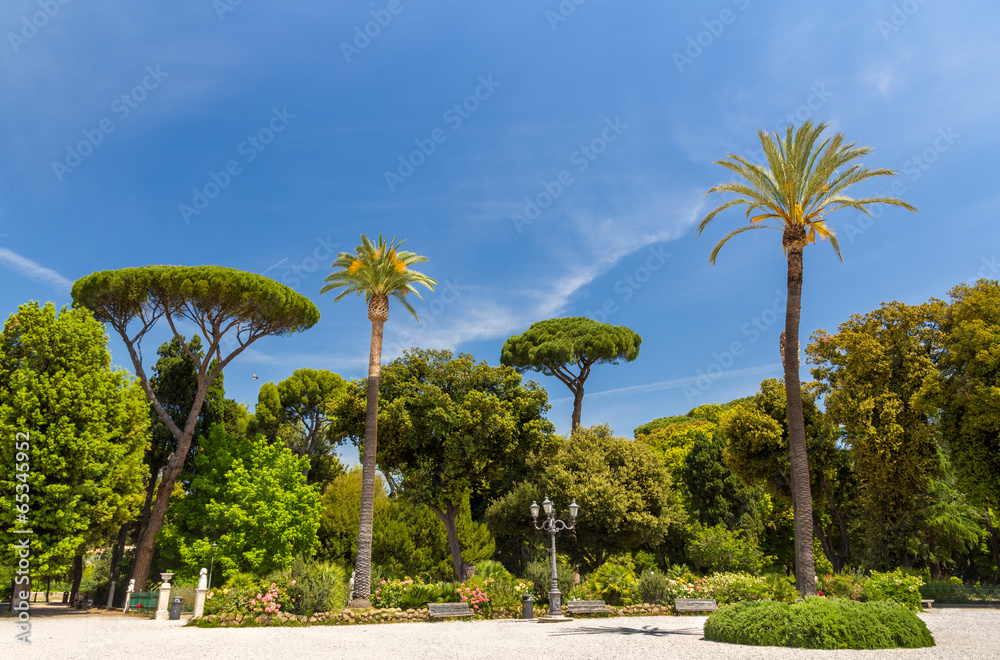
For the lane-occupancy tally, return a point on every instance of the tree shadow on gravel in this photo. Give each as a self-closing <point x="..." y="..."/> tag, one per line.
<point x="622" y="630"/>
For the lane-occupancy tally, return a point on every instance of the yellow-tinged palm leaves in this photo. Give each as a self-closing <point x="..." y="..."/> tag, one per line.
<point x="801" y="185"/>
<point x="377" y="269"/>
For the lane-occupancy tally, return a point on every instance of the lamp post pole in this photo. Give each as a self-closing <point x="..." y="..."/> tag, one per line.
<point x="211" y="564"/>
<point x="553" y="526"/>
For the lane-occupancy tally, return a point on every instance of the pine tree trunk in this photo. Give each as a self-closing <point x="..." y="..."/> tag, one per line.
<point x="363" y="563"/>
<point x="18" y="589"/>
<point x="116" y="559"/>
<point x="74" y="590"/>
<point x="147" y="545"/>
<point x="805" y="572"/>
<point x="577" y="406"/>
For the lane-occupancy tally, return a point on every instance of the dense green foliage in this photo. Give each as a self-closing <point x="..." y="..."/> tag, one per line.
<point x="968" y="388"/>
<point x="296" y="412"/>
<point x="449" y="426"/>
<point x="78" y="427"/>
<point x="623" y="489"/>
<point x="819" y="623"/>
<point x="251" y="498"/>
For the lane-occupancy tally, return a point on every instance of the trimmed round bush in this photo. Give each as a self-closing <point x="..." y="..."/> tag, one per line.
<point x="819" y="623"/>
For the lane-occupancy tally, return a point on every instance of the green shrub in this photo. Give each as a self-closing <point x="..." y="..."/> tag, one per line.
<point x="734" y="587"/>
<point x="819" y="623"/>
<point x="539" y="573"/>
<point x="615" y="583"/>
<point x="895" y="586"/>
<point x="764" y="623"/>
<point x="653" y="588"/>
<point x="781" y="589"/>
<point x="313" y="586"/>
<point x="492" y="569"/>
<point x="718" y="549"/>
<point x="840" y="586"/>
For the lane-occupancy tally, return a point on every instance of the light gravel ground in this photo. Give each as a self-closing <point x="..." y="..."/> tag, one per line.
<point x="960" y="633"/>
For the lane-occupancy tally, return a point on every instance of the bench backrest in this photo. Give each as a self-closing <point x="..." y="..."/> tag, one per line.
<point x="695" y="604"/>
<point x="448" y="609"/>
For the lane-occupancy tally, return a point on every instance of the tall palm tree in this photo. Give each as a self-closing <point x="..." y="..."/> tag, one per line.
<point x="803" y="181"/>
<point x="377" y="271"/>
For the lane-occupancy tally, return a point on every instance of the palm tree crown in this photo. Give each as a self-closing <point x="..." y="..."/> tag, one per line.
<point x="378" y="271"/>
<point x="802" y="184"/>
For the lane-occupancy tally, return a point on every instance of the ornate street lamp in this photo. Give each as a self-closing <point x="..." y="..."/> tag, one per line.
<point x="553" y="526"/>
<point x="210" y="565"/>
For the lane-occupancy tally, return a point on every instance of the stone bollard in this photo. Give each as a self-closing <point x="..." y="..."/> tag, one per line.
<point x="128" y="594"/>
<point x="163" y="604"/>
<point x="199" y="594"/>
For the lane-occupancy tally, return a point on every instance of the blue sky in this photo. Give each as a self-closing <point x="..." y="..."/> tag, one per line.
<point x="293" y="127"/>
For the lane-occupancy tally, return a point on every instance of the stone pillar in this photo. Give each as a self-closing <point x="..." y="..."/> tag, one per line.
<point x="199" y="593"/>
<point x="163" y="604"/>
<point x="128" y="594"/>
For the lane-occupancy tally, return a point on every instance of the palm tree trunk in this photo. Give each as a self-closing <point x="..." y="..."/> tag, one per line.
<point x="805" y="571"/>
<point x="363" y="564"/>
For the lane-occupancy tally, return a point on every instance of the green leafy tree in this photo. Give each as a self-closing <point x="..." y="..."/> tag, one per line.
<point x="377" y="272"/>
<point x="623" y="489"/>
<point x="296" y="411"/>
<point x="967" y="391"/>
<point x="224" y="304"/>
<point x="251" y="498"/>
<point x="873" y="372"/>
<point x="408" y="539"/>
<point x="803" y="182"/>
<point x="568" y="349"/>
<point x="719" y="548"/>
<point x="77" y="426"/>
<point x="450" y="426"/>
<point x="715" y="495"/>
<point x="756" y="437"/>
<point x="673" y="437"/>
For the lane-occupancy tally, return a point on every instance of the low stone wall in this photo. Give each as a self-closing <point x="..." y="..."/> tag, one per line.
<point x="387" y="615"/>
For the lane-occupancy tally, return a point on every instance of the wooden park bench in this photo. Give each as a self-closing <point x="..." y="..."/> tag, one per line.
<point x="446" y="610"/>
<point x="695" y="605"/>
<point x="586" y="607"/>
<point x="927" y="603"/>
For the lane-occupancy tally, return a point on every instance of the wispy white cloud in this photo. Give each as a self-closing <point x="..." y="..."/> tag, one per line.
<point x="690" y="381"/>
<point x="34" y="271"/>
<point x="598" y="242"/>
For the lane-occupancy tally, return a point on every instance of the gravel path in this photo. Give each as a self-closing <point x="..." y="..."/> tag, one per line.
<point x="960" y="634"/>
